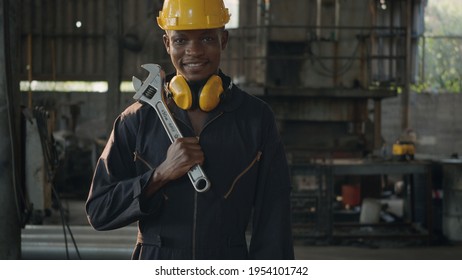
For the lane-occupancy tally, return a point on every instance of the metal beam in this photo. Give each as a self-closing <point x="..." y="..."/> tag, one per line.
<point x="113" y="61"/>
<point x="408" y="68"/>
<point x="10" y="229"/>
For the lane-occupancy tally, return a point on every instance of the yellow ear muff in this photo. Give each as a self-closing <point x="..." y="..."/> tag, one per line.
<point x="181" y="93"/>
<point x="209" y="97"/>
<point x="210" y="94"/>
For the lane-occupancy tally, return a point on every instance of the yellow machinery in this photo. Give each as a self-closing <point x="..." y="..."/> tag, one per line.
<point x="404" y="150"/>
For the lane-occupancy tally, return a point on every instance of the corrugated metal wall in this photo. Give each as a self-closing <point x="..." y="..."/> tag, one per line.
<point x="65" y="39"/>
<point x="54" y="47"/>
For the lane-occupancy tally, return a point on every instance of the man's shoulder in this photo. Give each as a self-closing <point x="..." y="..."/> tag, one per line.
<point x="251" y="101"/>
<point x="135" y="108"/>
<point x="135" y="112"/>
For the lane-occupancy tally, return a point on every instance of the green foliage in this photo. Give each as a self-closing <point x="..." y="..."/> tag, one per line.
<point x="443" y="17"/>
<point x="441" y="48"/>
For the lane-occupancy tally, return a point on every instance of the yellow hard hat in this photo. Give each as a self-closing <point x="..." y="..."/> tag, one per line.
<point x="193" y="14"/>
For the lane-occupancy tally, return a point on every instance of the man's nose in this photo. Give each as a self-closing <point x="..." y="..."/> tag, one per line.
<point x="195" y="48"/>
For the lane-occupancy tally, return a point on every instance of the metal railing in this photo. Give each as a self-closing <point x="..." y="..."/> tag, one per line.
<point x="345" y="56"/>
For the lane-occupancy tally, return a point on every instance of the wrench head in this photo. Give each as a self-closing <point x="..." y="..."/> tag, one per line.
<point x="146" y="89"/>
<point x="151" y="68"/>
<point x="137" y="83"/>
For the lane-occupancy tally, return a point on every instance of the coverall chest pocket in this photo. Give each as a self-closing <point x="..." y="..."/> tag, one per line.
<point x="142" y="165"/>
<point x="240" y="177"/>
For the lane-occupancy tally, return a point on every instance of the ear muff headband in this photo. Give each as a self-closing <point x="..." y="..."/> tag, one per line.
<point x="209" y="96"/>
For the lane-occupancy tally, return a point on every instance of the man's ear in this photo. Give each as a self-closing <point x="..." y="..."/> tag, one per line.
<point x="166" y="40"/>
<point x="224" y="39"/>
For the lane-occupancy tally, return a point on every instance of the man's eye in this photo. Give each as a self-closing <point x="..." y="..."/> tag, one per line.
<point x="179" y="41"/>
<point x="207" y="39"/>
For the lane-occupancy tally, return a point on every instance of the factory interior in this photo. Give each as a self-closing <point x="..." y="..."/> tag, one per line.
<point x="365" y="94"/>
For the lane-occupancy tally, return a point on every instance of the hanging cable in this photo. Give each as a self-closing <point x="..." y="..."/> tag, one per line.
<point x="326" y="71"/>
<point x="51" y="164"/>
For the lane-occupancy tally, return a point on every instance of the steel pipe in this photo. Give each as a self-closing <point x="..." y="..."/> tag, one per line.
<point x="46" y="242"/>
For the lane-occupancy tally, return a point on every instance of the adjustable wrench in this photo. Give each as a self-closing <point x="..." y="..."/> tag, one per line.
<point x="151" y="91"/>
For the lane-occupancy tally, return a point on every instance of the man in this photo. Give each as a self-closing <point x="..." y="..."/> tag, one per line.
<point x="142" y="177"/>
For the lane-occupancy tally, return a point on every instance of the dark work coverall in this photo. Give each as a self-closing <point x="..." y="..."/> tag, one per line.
<point x="247" y="167"/>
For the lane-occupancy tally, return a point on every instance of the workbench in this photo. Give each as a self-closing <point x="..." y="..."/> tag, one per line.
<point x="416" y="175"/>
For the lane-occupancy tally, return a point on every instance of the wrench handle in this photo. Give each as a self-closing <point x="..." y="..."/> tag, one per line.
<point x="196" y="174"/>
<point x="167" y="121"/>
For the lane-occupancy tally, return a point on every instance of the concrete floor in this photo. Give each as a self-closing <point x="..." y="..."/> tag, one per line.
<point x="446" y="252"/>
<point x="47" y="242"/>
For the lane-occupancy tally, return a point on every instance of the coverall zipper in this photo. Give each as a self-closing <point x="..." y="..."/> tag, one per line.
<point x="195" y="193"/>
<point x="194" y="227"/>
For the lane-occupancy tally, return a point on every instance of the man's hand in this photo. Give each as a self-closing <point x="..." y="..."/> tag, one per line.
<point x="182" y="155"/>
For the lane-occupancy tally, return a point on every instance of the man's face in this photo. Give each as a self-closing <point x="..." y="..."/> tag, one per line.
<point x="196" y="53"/>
